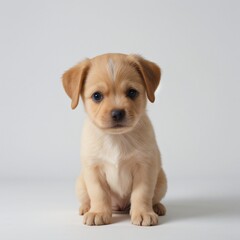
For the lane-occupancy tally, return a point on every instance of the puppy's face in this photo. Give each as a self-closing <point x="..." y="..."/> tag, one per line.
<point x="114" y="94"/>
<point x="113" y="88"/>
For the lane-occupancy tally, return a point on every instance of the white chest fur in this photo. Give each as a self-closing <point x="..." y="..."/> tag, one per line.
<point x="115" y="155"/>
<point x="111" y="150"/>
<point x="119" y="179"/>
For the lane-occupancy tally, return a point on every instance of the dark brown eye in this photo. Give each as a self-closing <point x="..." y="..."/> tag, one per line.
<point x="132" y="93"/>
<point x="97" y="97"/>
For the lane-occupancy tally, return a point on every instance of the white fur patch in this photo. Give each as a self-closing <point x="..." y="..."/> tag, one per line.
<point x="111" y="69"/>
<point x="118" y="175"/>
<point x="119" y="179"/>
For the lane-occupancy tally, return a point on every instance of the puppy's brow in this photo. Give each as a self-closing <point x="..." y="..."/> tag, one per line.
<point x="101" y="87"/>
<point x="111" y="69"/>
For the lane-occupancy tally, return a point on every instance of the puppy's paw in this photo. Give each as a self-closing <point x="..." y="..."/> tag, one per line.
<point x="83" y="209"/>
<point x="159" y="209"/>
<point x="100" y="218"/>
<point x="144" y="219"/>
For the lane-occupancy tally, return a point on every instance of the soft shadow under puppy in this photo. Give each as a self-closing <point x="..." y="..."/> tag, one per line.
<point x="193" y="208"/>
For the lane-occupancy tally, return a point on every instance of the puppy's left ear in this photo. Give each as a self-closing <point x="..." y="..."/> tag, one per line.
<point x="150" y="73"/>
<point x="73" y="80"/>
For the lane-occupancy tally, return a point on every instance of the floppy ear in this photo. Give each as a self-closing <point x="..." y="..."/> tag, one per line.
<point x="73" y="80"/>
<point x="150" y="73"/>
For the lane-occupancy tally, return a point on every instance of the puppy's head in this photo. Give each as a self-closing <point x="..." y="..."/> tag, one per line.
<point x="113" y="88"/>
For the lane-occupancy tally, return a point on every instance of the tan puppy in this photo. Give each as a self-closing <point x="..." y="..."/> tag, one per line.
<point x="121" y="164"/>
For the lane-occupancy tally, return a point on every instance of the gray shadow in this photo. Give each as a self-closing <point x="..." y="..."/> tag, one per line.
<point x="121" y="218"/>
<point x="189" y="208"/>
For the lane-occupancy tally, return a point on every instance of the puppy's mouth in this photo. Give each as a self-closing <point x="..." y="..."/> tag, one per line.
<point x="118" y="126"/>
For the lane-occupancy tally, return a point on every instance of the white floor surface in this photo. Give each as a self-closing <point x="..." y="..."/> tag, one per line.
<point x="49" y="210"/>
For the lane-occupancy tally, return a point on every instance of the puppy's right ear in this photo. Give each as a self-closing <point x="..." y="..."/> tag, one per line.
<point x="73" y="80"/>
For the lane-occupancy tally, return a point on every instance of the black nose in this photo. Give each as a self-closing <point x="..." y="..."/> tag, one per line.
<point x="118" y="114"/>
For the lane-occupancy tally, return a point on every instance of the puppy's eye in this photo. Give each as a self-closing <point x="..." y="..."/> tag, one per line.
<point x="132" y="93"/>
<point x="97" y="97"/>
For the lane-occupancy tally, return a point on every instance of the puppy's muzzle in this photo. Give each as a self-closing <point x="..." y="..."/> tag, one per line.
<point x="118" y="115"/>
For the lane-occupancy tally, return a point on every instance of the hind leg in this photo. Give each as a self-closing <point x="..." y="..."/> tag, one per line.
<point x="82" y="195"/>
<point x="159" y="193"/>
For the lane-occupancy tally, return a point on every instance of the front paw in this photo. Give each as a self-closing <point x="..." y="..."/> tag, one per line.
<point x="97" y="218"/>
<point x="144" y="218"/>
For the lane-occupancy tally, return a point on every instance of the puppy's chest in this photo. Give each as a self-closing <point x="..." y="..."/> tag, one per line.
<point x="114" y="150"/>
<point x="117" y="157"/>
<point x="119" y="179"/>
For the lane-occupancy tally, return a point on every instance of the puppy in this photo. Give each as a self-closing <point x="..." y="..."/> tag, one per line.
<point x="121" y="164"/>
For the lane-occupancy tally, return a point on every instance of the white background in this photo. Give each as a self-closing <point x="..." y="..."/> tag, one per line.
<point x="196" y="115"/>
